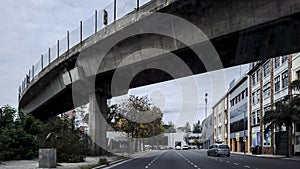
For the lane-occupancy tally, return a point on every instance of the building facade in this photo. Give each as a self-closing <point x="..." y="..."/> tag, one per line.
<point x="220" y="121"/>
<point x="207" y="132"/>
<point x="238" y="116"/>
<point x="268" y="84"/>
<point x="296" y="76"/>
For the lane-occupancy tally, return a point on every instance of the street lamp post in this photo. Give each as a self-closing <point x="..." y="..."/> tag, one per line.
<point x="206" y="105"/>
<point x="244" y="139"/>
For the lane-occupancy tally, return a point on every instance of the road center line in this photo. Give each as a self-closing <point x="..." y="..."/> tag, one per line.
<point x="147" y="166"/>
<point x="191" y="163"/>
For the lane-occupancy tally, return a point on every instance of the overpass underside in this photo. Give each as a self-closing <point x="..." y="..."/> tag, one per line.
<point x="240" y="31"/>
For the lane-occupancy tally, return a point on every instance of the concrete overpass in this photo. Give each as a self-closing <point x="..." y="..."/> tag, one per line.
<point x="241" y="31"/>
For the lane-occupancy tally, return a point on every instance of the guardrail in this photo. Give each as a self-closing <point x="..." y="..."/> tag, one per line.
<point x="114" y="11"/>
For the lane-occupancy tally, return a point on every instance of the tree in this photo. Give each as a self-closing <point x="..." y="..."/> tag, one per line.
<point x="80" y="116"/>
<point x="71" y="144"/>
<point x="285" y="113"/>
<point x="16" y="142"/>
<point x="170" y="127"/>
<point x="187" y="127"/>
<point x="138" y="117"/>
<point x="197" y="127"/>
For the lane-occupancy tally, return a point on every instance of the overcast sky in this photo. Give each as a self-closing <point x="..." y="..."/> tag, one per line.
<point x="30" y="27"/>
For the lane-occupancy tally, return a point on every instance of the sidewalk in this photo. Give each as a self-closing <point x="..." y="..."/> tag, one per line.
<point x="294" y="158"/>
<point x="33" y="164"/>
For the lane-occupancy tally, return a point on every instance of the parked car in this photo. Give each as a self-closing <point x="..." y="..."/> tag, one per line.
<point x="185" y="147"/>
<point x="218" y="150"/>
<point x="177" y="148"/>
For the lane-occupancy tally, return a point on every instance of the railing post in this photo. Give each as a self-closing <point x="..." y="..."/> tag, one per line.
<point x="96" y="18"/>
<point x="57" y="48"/>
<point x="80" y="31"/>
<point x="137" y="5"/>
<point x="68" y="41"/>
<point x="115" y="10"/>
<point x="42" y="60"/>
<point x="32" y="71"/>
<point x="29" y="73"/>
<point x="105" y="17"/>
<point x="49" y="55"/>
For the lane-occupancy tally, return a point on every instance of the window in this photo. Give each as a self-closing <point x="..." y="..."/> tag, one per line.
<point x="254" y="118"/>
<point x="253" y="98"/>
<point x="243" y="95"/>
<point x="284" y="59"/>
<point x="277" y="83"/>
<point x="298" y="74"/>
<point x="267" y="69"/>
<point x="258" y="76"/>
<point x="284" y="77"/>
<point x="253" y="79"/>
<point x="267" y="91"/>
<point x="297" y="127"/>
<point x="257" y="116"/>
<point x="267" y="108"/>
<point x="258" y="95"/>
<point x="277" y="62"/>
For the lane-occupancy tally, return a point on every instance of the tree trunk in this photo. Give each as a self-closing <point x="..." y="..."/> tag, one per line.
<point x="289" y="141"/>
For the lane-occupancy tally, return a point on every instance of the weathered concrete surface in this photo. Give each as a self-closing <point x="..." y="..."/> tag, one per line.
<point x="47" y="158"/>
<point x="241" y="31"/>
<point x="97" y="123"/>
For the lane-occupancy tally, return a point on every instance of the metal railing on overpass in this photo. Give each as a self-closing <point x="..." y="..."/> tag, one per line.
<point x="114" y="11"/>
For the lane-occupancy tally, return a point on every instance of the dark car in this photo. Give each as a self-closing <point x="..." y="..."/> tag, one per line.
<point x="218" y="150"/>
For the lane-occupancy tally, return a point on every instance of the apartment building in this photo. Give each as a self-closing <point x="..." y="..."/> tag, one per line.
<point x="238" y="116"/>
<point x="296" y="76"/>
<point x="207" y="132"/>
<point x="268" y="84"/>
<point x="220" y="121"/>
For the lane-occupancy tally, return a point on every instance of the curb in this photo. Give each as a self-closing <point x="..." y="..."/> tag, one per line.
<point x="262" y="156"/>
<point x="111" y="163"/>
<point x="117" y="161"/>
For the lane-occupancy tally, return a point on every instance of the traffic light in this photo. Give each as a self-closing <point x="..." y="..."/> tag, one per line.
<point x="105" y="17"/>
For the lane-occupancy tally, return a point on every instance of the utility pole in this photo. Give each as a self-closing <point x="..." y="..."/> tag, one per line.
<point x="206" y="105"/>
<point x="244" y="139"/>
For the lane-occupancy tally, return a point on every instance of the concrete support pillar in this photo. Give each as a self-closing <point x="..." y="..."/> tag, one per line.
<point x="239" y="146"/>
<point x="97" y="123"/>
<point x="233" y="145"/>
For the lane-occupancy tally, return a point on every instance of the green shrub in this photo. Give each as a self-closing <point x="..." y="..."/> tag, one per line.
<point x="15" y="143"/>
<point x="103" y="161"/>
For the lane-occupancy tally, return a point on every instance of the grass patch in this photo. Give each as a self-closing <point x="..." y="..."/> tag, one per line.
<point x="122" y="158"/>
<point x="86" y="167"/>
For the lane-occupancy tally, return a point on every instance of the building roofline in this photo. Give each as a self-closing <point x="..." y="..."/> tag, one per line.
<point x="240" y="81"/>
<point x="255" y="68"/>
<point x="220" y="100"/>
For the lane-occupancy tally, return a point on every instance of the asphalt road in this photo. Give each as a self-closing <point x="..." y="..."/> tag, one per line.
<point x="195" y="159"/>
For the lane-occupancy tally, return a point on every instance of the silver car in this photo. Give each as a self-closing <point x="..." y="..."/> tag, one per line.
<point x="218" y="150"/>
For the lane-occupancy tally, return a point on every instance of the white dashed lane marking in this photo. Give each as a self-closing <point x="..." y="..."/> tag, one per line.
<point x="187" y="160"/>
<point x="147" y="166"/>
